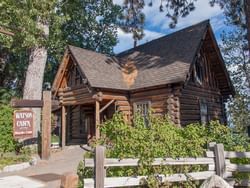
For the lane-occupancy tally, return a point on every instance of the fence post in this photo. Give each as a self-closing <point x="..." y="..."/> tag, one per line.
<point x="99" y="166"/>
<point x="220" y="164"/>
<point x="211" y="146"/>
<point x="69" y="180"/>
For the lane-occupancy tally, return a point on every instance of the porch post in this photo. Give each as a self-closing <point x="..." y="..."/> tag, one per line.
<point x="63" y="126"/>
<point x="97" y="119"/>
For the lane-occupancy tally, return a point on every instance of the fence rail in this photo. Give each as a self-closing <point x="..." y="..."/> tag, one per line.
<point x="217" y="161"/>
<point x="135" y="181"/>
<point x="112" y="162"/>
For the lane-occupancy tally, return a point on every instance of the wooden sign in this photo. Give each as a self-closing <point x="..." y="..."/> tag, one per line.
<point x="23" y="124"/>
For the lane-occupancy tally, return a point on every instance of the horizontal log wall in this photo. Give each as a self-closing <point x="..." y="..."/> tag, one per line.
<point x="193" y="92"/>
<point x="76" y="124"/>
<point x="158" y="99"/>
<point x="121" y="102"/>
<point x="190" y="98"/>
<point x="76" y="96"/>
<point x="163" y="100"/>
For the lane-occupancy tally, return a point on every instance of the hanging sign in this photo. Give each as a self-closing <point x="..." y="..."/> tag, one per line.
<point x="23" y="124"/>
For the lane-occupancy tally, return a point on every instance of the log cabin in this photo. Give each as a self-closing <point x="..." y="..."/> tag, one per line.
<point x="181" y="74"/>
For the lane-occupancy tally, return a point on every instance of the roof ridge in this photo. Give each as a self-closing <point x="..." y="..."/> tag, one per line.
<point x="88" y="50"/>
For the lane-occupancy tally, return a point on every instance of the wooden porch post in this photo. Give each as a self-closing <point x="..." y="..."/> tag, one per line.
<point x="97" y="119"/>
<point x="63" y="127"/>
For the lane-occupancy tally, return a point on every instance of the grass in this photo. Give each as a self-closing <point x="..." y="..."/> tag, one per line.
<point x="11" y="158"/>
<point x="55" y="139"/>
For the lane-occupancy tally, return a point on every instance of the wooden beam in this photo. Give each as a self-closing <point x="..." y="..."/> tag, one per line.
<point x="46" y="125"/>
<point x="26" y="103"/>
<point x="23" y="103"/>
<point x="106" y="106"/>
<point x="61" y="71"/>
<point x="98" y="96"/>
<point x="63" y="127"/>
<point x="97" y="119"/>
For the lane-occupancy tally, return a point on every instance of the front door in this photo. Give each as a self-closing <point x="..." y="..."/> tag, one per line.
<point x="86" y="123"/>
<point x="80" y="123"/>
<point x="90" y="126"/>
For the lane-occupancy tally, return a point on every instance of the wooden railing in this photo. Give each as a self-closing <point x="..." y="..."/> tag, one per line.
<point x="216" y="159"/>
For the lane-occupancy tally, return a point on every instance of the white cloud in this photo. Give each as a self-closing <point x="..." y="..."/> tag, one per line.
<point x="157" y="24"/>
<point x="202" y="12"/>
<point x="126" y="40"/>
<point x="118" y="2"/>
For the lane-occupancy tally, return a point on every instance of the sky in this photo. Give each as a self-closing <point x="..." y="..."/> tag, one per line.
<point x="157" y="24"/>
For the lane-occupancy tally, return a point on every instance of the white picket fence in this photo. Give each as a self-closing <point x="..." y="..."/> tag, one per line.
<point x="217" y="161"/>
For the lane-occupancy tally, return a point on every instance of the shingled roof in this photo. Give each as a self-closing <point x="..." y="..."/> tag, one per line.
<point x="165" y="60"/>
<point x="100" y="70"/>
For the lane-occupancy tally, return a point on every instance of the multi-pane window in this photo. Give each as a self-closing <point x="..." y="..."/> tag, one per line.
<point x="203" y="112"/>
<point x="142" y="108"/>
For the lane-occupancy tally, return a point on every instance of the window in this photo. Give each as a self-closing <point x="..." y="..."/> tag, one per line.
<point x="142" y="108"/>
<point x="204" y="111"/>
<point x="199" y="73"/>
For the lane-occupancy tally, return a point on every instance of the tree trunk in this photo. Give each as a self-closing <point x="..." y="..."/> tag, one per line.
<point x="34" y="77"/>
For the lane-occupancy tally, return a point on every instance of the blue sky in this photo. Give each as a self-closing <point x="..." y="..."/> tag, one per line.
<point x="157" y="24"/>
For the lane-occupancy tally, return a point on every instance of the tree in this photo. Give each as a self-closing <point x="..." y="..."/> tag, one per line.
<point x="237" y="11"/>
<point x="88" y="24"/>
<point x="132" y="19"/>
<point x="31" y="20"/>
<point x="91" y="24"/>
<point x="38" y="25"/>
<point x="236" y="58"/>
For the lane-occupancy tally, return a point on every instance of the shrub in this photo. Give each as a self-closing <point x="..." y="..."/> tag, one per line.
<point x="7" y="142"/>
<point x="160" y="139"/>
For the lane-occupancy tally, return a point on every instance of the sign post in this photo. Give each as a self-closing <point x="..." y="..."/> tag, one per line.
<point x="23" y="121"/>
<point x="46" y="125"/>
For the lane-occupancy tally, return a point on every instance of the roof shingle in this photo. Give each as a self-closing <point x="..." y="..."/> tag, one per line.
<point x="162" y="61"/>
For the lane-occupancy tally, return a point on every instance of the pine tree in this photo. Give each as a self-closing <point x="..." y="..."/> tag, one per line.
<point x="132" y="19"/>
<point x="237" y="12"/>
<point x="235" y="53"/>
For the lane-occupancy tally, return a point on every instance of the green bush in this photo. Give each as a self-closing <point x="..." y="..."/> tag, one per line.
<point x="160" y="139"/>
<point x="7" y="142"/>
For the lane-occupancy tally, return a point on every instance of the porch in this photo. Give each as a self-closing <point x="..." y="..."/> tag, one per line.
<point x="81" y="114"/>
